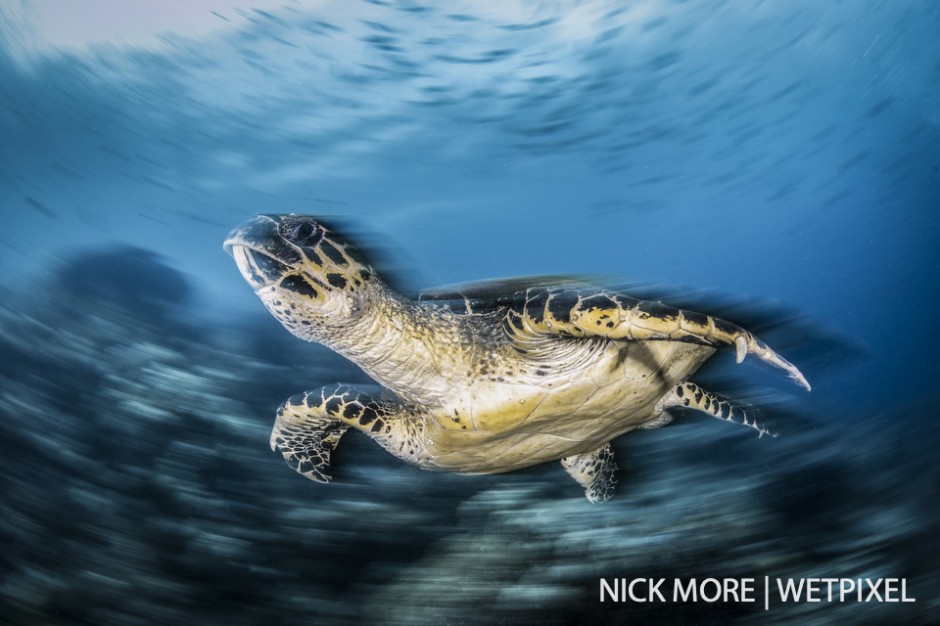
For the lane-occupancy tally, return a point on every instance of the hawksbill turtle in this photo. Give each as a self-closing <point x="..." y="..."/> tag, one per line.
<point x="484" y="384"/>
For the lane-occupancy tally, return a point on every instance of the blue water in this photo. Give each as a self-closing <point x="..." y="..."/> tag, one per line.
<point x="780" y="152"/>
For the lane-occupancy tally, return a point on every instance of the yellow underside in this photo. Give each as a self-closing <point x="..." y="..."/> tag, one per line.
<point x="506" y="426"/>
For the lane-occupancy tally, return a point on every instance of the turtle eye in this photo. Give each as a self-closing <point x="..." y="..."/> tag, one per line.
<point x="303" y="233"/>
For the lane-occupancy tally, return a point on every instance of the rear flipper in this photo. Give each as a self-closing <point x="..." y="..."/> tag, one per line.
<point x="691" y="396"/>
<point x="596" y="471"/>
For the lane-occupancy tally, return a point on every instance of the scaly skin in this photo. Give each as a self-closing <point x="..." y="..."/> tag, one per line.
<point x="542" y="374"/>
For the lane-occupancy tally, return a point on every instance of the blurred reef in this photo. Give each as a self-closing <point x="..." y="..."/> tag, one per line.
<point x="138" y="488"/>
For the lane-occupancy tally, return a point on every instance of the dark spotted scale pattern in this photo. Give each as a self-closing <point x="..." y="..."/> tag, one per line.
<point x="596" y="471"/>
<point x="691" y="396"/>
<point x="590" y="313"/>
<point x="309" y="425"/>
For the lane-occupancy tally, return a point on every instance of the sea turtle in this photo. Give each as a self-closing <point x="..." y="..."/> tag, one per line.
<point x="481" y="384"/>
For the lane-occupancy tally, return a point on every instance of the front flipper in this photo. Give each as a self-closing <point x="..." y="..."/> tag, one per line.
<point x="309" y="426"/>
<point x="691" y="396"/>
<point x="583" y="313"/>
<point x="306" y="439"/>
<point x="596" y="471"/>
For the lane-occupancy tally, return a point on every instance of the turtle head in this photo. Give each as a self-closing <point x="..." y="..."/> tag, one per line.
<point x="305" y="273"/>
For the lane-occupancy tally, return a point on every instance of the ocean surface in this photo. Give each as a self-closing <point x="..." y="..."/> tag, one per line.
<point x="775" y="162"/>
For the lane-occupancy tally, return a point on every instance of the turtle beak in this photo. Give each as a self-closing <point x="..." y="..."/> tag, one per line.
<point x="253" y="233"/>
<point x="252" y="244"/>
<point x="229" y="243"/>
<point x="251" y="265"/>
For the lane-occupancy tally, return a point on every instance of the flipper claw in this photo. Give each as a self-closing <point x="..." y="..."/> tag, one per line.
<point x="740" y="348"/>
<point x="764" y="353"/>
